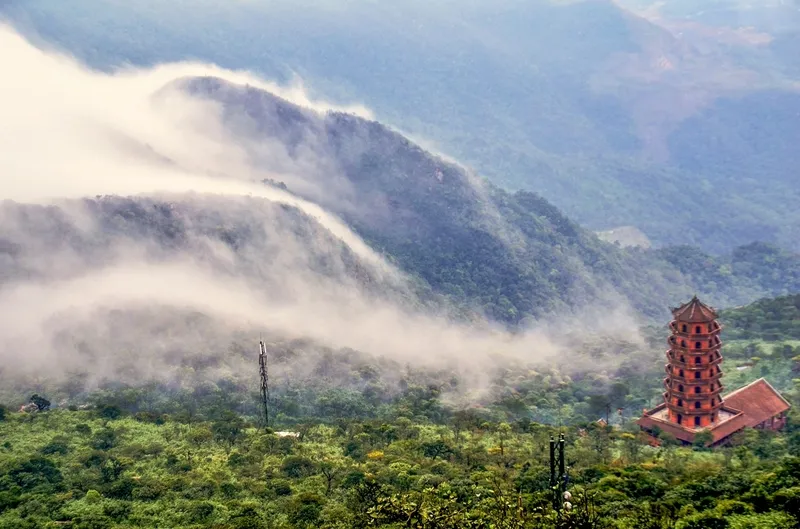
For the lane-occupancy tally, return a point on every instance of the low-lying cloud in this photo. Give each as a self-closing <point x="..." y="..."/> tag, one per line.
<point x="69" y="133"/>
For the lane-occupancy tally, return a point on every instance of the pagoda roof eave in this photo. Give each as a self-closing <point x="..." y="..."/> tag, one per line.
<point x="694" y="311"/>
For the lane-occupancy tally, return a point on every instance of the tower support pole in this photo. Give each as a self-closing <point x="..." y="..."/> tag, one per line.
<point x="262" y="364"/>
<point x="558" y="471"/>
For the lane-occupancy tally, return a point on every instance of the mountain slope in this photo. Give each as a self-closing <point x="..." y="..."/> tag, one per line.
<point x="616" y="118"/>
<point x="767" y="319"/>
<point x="514" y="254"/>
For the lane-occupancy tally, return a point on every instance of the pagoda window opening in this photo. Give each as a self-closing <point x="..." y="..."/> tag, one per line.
<point x="697" y="389"/>
<point x="697" y="421"/>
<point x="684" y="328"/>
<point x="698" y="330"/>
<point x="680" y="388"/>
<point x="680" y="373"/>
<point x="698" y="345"/>
<point x="683" y="343"/>
<point x="713" y="417"/>
<point x="697" y="374"/>
<point x="680" y="419"/>
<point x="697" y="405"/>
<point x="680" y="402"/>
<point x="713" y="402"/>
<point x="696" y="359"/>
<point x="683" y="359"/>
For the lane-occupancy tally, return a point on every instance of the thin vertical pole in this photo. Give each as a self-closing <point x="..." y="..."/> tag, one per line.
<point x="262" y="363"/>
<point x="553" y="481"/>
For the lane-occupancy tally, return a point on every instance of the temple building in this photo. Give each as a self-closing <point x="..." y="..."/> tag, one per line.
<point x="693" y="399"/>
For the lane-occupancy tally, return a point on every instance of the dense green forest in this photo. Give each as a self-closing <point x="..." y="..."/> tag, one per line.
<point x="159" y="456"/>
<point x="511" y="256"/>
<point x="768" y="319"/>
<point x="427" y="331"/>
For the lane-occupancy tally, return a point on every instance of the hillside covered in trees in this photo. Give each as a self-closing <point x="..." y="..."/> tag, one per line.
<point x="621" y="113"/>
<point x="512" y="255"/>
<point x="334" y="458"/>
<point x="426" y="331"/>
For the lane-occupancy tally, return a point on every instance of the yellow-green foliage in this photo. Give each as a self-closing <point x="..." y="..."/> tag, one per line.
<point x="76" y="469"/>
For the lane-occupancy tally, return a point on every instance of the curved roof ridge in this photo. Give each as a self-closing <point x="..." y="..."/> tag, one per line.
<point x="695" y="311"/>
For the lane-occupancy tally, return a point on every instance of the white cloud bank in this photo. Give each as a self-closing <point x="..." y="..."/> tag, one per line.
<point x="68" y="132"/>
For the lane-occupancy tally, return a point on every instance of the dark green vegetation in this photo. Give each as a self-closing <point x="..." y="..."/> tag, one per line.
<point x="681" y="124"/>
<point x="94" y="469"/>
<point x="748" y="270"/>
<point x="152" y="456"/>
<point x="483" y="250"/>
<point x="769" y="319"/>
<point x="510" y="255"/>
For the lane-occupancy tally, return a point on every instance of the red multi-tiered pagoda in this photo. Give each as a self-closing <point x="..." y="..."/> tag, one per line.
<point x="693" y="399"/>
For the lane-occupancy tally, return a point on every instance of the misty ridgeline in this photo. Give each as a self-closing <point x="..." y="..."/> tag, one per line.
<point x="175" y="237"/>
<point x="183" y="212"/>
<point x="178" y="216"/>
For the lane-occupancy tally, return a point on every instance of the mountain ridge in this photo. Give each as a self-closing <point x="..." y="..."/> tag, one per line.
<point x="558" y="99"/>
<point x="428" y="200"/>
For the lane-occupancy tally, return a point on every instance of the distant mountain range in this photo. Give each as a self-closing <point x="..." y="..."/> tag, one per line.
<point x="464" y="242"/>
<point x="513" y="255"/>
<point x="677" y="119"/>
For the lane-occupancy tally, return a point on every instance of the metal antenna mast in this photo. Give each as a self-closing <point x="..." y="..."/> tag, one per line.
<point x="262" y="364"/>
<point x="558" y="473"/>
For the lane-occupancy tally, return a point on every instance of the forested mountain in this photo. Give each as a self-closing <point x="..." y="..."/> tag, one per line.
<point x="426" y="330"/>
<point x="768" y="319"/>
<point x="672" y="118"/>
<point x="464" y="242"/>
<point x="467" y="238"/>
<point x="187" y="281"/>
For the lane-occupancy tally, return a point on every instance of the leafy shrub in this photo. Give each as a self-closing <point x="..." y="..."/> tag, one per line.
<point x="56" y="446"/>
<point x="297" y="467"/>
<point x="109" y="411"/>
<point x="200" y="511"/>
<point x="121" y="489"/>
<point x="105" y="439"/>
<point x="36" y="472"/>
<point x="83" y="429"/>
<point x="281" y="487"/>
<point x="305" y="509"/>
<point x="117" y="510"/>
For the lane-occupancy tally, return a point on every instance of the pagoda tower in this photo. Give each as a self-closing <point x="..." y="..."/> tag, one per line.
<point x="693" y="388"/>
<point x="693" y="400"/>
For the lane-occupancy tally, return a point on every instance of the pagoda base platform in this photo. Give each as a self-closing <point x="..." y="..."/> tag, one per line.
<point x="757" y="405"/>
